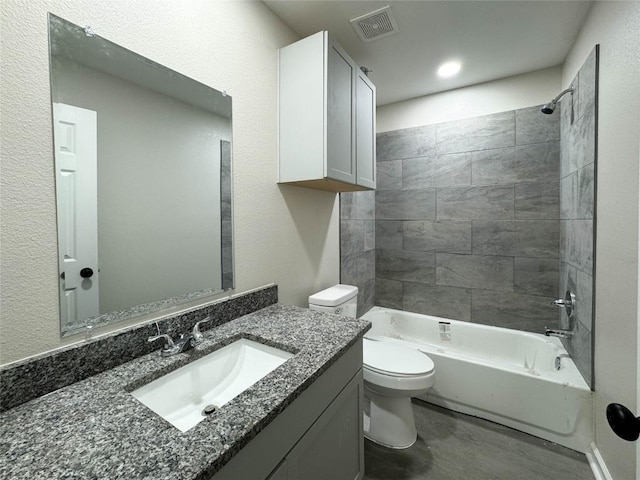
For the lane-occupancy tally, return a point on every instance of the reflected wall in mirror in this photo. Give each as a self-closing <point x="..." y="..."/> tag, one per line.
<point x="143" y="182"/>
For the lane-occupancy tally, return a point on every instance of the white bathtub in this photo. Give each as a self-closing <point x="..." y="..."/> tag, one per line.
<point x="506" y="376"/>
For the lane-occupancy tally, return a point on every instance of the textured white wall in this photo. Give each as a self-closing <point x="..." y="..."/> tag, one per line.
<point x="283" y="234"/>
<point x="520" y="91"/>
<point x="614" y="25"/>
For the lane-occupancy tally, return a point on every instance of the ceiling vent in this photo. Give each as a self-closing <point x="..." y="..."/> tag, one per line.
<point x="374" y="25"/>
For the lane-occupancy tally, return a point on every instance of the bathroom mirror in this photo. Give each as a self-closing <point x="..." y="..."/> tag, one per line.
<point x="143" y="182"/>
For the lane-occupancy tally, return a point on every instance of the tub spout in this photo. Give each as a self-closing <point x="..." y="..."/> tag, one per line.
<point x="558" y="333"/>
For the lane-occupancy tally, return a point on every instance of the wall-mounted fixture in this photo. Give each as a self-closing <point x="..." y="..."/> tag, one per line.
<point x="374" y="25"/>
<point x="549" y="108"/>
<point x="568" y="303"/>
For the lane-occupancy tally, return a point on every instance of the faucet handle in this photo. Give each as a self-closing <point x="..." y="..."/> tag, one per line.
<point x="568" y="303"/>
<point x="169" y="340"/>
<point x="196" y="333"/>
<point x="169" y="347"/>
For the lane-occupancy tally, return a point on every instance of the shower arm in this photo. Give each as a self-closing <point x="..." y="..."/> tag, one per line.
<point x="562" y="94"/>
<point x="548" y="108"/>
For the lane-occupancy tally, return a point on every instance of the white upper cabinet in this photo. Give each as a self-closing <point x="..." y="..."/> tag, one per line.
<point x="365" y="131"/>
<point x="326" y="131"/>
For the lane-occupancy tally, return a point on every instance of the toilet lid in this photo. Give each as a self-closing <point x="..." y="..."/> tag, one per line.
<point x="390" y="358"/>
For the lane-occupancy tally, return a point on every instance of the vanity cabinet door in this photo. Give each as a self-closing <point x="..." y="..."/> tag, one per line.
<point x="333" y="448"/>
<point x="280" y="473"/>
<point x="365" y="131"/>
<point x="318" y="436"/>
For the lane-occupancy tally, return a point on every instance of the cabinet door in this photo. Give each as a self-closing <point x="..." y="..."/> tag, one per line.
<point x="340" y="161"/>
<point x="365" y="131"/>
<point x="333" y="448"/>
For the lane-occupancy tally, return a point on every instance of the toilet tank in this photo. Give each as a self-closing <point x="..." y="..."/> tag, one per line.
<point x="339" y="299"/>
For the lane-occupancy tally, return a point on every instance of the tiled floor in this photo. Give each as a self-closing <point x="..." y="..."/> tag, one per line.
<point x="453" y="446"/>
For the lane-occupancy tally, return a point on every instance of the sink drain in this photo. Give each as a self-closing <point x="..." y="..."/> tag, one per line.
<point x="208" y="410"/>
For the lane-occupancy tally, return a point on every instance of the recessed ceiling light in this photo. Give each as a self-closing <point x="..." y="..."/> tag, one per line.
<point x="449" y="69"/>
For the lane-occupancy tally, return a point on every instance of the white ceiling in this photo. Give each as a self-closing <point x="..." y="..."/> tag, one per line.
<point x="492" y="39"/>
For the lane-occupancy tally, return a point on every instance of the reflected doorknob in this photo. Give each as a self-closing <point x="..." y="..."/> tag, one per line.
<point x="623" y="423"/>
<point x="86" y="272"/>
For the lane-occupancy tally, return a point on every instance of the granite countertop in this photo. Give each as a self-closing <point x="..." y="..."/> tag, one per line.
<point x="95" y="428"/>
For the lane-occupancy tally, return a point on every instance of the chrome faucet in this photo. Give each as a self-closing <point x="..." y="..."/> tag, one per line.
<point x="184" y="342"/>
<point x="198" y="338"/>
<point x="568" y="303"/>
<point x="558" y="333"/>
<point x="169" y="348"/>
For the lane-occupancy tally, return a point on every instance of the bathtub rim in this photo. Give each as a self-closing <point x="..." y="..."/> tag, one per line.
<point x="577" y="382"/>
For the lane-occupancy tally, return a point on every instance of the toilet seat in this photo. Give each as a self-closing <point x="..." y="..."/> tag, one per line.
<point x="395" y="360"/>
<point x="396" y="370"/>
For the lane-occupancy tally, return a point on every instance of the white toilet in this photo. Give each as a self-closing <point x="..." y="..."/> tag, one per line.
<point x="392" y="375"/>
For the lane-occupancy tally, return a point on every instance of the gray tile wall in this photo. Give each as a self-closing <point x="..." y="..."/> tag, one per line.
<point x="358" y="244"/>
<point x="467" y="219"/>
<point x="486" y="219"/>
<point x="577" y="204"/>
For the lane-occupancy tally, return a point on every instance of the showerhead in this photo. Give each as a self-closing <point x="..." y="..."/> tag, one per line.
<point x="548" y="108"/>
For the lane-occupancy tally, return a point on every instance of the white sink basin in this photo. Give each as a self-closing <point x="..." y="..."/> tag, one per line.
<point x="180" y="397"/>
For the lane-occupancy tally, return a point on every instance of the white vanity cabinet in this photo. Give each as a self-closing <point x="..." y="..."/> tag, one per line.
<point x="318" y="437"/>
<point x="326" y="118"/>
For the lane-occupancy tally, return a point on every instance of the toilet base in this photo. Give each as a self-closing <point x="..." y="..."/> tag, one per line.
<point x="389" y="420"/>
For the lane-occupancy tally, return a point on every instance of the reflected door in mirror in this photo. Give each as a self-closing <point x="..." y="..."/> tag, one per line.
<point x="75" y="132"/>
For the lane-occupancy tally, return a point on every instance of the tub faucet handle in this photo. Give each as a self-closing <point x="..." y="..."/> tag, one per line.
<point x="568" y="303"/>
